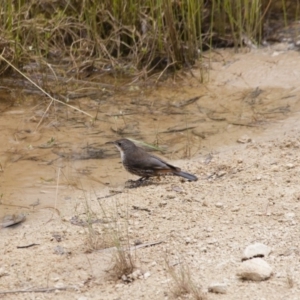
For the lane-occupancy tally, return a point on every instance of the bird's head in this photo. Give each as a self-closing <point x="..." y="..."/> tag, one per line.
<point x="123" y="145"/>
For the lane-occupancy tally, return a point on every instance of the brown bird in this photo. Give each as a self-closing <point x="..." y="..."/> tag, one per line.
<point x="139" y="162"/>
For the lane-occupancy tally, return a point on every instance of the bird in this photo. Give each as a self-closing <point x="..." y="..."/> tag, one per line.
<point x="141" y="163"/>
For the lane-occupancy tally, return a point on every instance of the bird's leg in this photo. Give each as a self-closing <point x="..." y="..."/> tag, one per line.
<point x="137" y="183"/>
<point x="142" y="179"/>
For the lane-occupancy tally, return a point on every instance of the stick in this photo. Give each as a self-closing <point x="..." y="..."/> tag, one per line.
<point x="37" y="290"/>
<point x="44" y="92"/>
<point x="133" y="248"/>
<point x="27" y="246"/>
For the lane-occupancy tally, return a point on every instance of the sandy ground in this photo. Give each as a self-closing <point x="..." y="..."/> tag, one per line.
<point x="246" y="193"/>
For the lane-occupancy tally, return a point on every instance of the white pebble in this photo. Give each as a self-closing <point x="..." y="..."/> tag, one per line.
<point x="256" y="249"/>
<point x="218" y="288"/>
<point x="255" y="269"/>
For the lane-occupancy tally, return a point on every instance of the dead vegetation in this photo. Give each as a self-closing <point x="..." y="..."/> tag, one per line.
<point x="134" y="40"/>
<point x="123" y="263"/>
<point x="183" y="283"/>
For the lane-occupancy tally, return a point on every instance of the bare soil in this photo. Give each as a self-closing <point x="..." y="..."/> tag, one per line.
<point x="248" y="191"/>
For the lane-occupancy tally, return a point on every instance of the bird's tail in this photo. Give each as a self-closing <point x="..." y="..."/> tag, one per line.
<point x="188" y="176"/>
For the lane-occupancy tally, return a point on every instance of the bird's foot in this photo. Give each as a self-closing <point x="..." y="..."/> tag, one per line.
<point x="136" y="183"/>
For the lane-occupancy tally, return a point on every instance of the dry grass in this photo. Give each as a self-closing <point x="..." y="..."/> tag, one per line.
<point x="126" y="39"/>
<point x="183" y="283"/>
<point x="290" y="279"/>
<point x="123" y="263"/>
<point x="110" y="234"/>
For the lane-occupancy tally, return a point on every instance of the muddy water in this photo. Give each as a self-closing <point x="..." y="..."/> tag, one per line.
<point x="46" y="165"/>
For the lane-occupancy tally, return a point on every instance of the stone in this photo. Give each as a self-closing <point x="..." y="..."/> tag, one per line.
<point x="235" y="209"/>
<point x="59" y="285"/>
<point x="290" y="166"/>
<point x="2" y="272"/>
<point x="244" y="139"/>
<point x="219" y="205"/>
<point x="256" y="250"/>
<point x="218" y="288"/>
<point x="255" y="269"/>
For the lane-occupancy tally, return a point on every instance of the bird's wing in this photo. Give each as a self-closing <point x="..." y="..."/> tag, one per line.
<point x="154" y="162"/>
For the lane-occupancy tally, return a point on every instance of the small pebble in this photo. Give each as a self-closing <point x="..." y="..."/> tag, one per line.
<point x="59" y="285"/>
<point x="219" y="205"/>
<point x="235" y="209"/>
<point x="255" y="250"/>
<point x="255" y="269"/>
<point x="146" y="275"/>
<point x="290" y="166"/>
<point x="244" y="139"/>
<point x="2" y="272"/>
<point x="218" y="288"/>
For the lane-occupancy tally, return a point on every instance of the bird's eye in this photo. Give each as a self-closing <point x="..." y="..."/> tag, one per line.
<point x="119" y="143"/>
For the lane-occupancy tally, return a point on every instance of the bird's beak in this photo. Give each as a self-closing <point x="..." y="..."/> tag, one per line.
<point x="108" y="143"/>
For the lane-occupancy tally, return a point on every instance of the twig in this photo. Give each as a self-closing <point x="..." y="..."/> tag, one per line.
<point x="43" y="91"/>
<point x="27" y="246"/>
<point x="132" y="248"/>
<point x="141" y="208"/>
<point x="108" y="196"/>
<point x="179" y="129"/>
<point x="146" y="245"/>
<point x="37" y="290"/>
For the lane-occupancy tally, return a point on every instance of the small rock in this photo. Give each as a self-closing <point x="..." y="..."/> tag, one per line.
<point x="55" y="279"/>
<point x="218" y="288"/>
<point x="2" y="272"/>
<point x="204" y="203"/>
<point x="256" y="250"/>
<point x="274" y="168"/>
<point x="187" y="240"/>
<point x="146" y="275"/>
<point x="221" y="173"/>
<point x="59" y="285"/>
<point x="203" y="249"/>
<point x="212" y="242"/>
<point x="290" y="166"/>
<point x="163" y="203"/>
<point x="10" y="220"/>
<point x="235" y="209"/>
<point x="244" y="139"/>
<point x="255" y="269"/>
<point x="133" y="276"/>
<point x="289" y="215"/>
<point x="208" y="229"/>
<point x="219" y="205"/>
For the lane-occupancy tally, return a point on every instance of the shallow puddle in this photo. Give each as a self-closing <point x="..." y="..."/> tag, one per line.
<point x="42" y="166"/>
